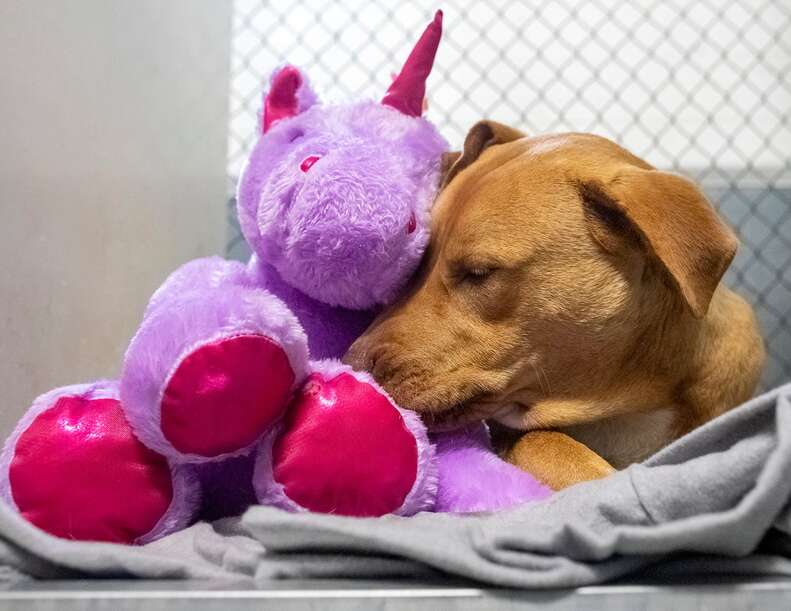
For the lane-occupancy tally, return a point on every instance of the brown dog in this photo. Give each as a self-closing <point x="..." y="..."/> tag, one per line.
<point x="570" y="286"/>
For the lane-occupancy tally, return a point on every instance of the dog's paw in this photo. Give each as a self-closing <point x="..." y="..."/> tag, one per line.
<point x="556" y="459"/>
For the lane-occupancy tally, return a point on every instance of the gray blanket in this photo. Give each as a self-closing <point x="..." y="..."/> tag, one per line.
<point x="714" y="501"/>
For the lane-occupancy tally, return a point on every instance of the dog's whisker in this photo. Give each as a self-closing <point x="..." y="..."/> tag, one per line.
<point x="543" y="376"/>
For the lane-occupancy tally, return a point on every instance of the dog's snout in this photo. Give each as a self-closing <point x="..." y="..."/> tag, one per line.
<point x="359" y="356"/>
<point x="380" y="359"/>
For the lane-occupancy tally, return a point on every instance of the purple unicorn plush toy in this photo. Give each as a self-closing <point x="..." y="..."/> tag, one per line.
<point x="334" y="202"/>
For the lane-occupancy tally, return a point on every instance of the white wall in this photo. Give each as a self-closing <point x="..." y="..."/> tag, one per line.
<point x="113" y="131"/>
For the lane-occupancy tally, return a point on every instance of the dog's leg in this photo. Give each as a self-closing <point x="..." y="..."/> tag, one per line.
<point x="556" y="459"/>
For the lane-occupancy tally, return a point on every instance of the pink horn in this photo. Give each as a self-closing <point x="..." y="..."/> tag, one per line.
<point x="407" y="91"/>
<point x="281" y="99"/>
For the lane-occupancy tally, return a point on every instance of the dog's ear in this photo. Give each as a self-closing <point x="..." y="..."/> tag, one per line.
<point x="669" y="218"/>
<point x="481" y="135"/>
<point x="447" y="161"/>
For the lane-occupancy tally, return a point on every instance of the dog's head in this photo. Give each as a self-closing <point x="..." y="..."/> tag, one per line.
<point x="553" y="265"/>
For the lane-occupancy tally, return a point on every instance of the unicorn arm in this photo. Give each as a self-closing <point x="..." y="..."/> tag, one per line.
<point x="473" y="478"/>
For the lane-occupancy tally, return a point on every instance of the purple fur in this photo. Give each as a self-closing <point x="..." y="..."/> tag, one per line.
<point x="338" y="232"/>
<point x="220" y="305"/>
<point x="227" y="487"/>
<point x="330" y="329"/>
<point x="330" y="246"/>
<point x="473" y="478"/>
<point x="206" y="274"/>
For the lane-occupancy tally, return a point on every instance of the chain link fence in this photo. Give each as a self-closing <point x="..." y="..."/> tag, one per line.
<point x="699" y="87"/>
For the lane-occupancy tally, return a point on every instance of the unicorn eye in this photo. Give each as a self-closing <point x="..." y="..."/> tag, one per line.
<point x="308" y="162"/>
<point x="411" y="224"/>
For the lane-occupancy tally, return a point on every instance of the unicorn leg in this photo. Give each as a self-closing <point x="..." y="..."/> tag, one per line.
<point x="210" y="371"/>
<point x="74" y="468"/>
<point x="344" y="447"/>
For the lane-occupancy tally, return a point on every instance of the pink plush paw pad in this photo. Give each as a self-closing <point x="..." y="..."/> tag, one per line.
<point x="78" y="472"/>
<point x="345" y="449"/>
<point x="224" y="395"/>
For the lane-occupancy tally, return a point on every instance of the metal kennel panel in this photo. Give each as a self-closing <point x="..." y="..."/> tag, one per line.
<point x="700" y="87"/>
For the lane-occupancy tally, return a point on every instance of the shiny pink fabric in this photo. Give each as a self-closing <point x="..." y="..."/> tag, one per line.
<point x="78" y="472"/>
<point x="225" y="394"/>
<point x="345" y="450"/>
<point x="281" y="102"/>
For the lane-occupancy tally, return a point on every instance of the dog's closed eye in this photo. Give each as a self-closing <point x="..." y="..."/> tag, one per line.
<point x="474" y="274"/>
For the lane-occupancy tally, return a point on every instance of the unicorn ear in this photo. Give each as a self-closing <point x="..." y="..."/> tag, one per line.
<point x="289" y="94"/>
